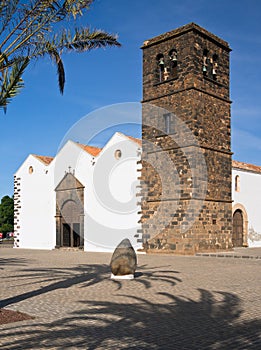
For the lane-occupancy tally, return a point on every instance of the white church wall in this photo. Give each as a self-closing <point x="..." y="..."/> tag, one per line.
<point x="36" y="223"/>
<point x="249" y="195"/>
<point x="111" y="202"/>
<point x="72" y="158"/>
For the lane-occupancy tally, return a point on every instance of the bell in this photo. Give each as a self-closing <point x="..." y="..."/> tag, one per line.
<point x="173" y="57"/>
<point x="214" y="72"/>
<point x="161" y="61"/>
<point x="204" y="69"/>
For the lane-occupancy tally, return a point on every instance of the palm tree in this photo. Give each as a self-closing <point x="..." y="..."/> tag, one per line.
<point x="31" y="29"/>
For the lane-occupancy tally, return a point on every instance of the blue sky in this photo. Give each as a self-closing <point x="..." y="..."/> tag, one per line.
<point x="39" y="118"/>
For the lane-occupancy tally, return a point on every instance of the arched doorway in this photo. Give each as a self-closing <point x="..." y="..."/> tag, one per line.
<point x="238" y="229"/>
<point x="69" y="213"/>
<point x="240" y="226"/>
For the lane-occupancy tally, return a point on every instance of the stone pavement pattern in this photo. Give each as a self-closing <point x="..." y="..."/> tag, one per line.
<point x="175" y="302"/>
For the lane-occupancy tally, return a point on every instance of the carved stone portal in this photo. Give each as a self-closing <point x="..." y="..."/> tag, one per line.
<point x="69" y="212"/>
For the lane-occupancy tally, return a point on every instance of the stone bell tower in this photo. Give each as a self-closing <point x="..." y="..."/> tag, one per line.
<point x="186" y="73"/>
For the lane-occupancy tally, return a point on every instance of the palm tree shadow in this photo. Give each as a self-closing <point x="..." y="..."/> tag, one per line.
<point x="209" y="321"/>
<point x="82" y="275"/>
<point x="138" y="274"/>
<point x="146" y="276"/>
<point x="57" y="278"/>
<point x="13" y="262"/>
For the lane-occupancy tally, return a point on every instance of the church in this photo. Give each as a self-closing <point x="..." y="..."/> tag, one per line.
<point x="83" y="198"/>
<point x="177" y="190"/>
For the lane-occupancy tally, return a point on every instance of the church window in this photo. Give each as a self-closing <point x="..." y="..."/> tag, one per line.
<point x="205" y="67"/>
<point x="30" y="170"/>
<point x="167" y="121"/>
<point x="160" y="67"/>
<point x="173" y="57"/>
<point x="210" y="65"/>
<point x="117" y="154"/>
<point x="237" y="183"/>
<point x="214" y="66"/>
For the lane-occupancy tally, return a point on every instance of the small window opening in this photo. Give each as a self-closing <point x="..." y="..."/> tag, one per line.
<point x="117" y="154"/>
<point x="30" y="170"/>
<point x="214" y="66"/>
<point x="237" y="183"/>
<point x="205" y="62"/>
<point x="173" y="57"/>
<point x="167" y="121"/>
<point x="160" y="67"/>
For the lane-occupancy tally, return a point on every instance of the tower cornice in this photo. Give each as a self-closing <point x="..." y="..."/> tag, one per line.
<point x="181" y="31"/>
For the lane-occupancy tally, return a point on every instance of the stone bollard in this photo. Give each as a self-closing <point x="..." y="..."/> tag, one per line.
<point x="124" y="261"/>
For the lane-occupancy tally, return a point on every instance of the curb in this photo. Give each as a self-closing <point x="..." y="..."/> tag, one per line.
<point x="235" y="256"/>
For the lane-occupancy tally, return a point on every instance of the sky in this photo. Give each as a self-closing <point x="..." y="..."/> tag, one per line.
<point x="39" y="118"/>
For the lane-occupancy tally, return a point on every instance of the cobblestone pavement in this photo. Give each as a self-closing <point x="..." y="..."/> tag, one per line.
<point x="175" y="302"/>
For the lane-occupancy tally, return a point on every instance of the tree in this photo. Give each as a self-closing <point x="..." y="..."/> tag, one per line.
<point x="6" y="215"/>
<point x="31" y="29"/>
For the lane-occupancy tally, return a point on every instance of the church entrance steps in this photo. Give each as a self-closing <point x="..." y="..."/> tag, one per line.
<point x="70" y="249"/>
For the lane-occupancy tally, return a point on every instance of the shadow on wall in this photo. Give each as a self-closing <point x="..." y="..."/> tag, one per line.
<point x="175" y="324"/>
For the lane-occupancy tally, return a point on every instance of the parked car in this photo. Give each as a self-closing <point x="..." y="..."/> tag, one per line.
<point x="1" y="237"/>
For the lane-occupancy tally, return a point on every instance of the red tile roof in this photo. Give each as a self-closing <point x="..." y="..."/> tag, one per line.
<point x="44" y="159"/>
<point x="138" y="141"/>
<point x="94" y="151"/>
<point x="246" y="166"/>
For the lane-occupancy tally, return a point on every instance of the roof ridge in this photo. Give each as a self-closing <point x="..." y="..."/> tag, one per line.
<point x="134" y="139"/>
<point x="92" y="150"/>
<point x="246" y="166"/>
<point x="44" y="159"/>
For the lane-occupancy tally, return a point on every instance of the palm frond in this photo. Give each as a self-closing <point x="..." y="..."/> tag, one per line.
<point x="84" y="40"/>
<point x="60" y="68"/>
<point x="7" y="10"/>
<point x="79" y="41"/>
<point x="76" y="7"/>
<point x="12" y="82"/>
<point x="26" y="33"/>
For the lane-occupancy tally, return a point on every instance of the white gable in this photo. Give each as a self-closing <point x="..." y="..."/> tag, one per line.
<point x="109" y="180"/>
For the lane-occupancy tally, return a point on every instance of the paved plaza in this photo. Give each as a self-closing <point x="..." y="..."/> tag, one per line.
<point x="175" y="302"/>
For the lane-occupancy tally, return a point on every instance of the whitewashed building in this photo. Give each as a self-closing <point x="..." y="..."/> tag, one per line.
<point x="84" y="197"/>
<point x="246" y="195"/>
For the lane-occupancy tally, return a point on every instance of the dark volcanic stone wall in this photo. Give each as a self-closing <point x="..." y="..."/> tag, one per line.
<point x="176" y="214"/>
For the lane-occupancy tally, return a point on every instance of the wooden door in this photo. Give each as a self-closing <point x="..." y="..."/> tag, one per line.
<point x="237" y="237"/>
<point x="76" y="234"/>
<point x="66" y="235"/>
